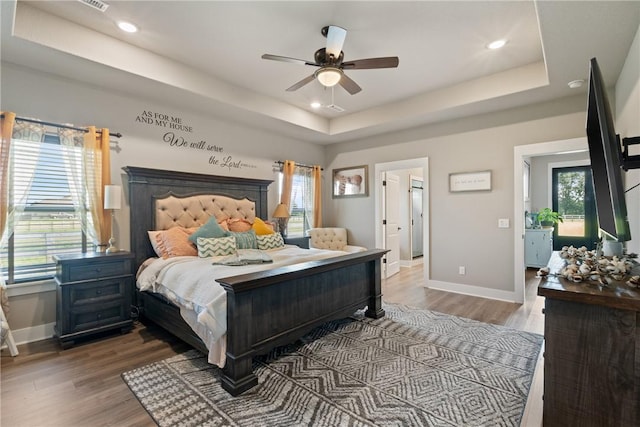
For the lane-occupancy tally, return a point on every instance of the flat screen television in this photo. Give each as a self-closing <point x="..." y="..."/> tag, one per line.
<point x="606" y="160"/>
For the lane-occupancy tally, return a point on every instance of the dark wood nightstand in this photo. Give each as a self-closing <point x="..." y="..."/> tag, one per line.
<point x="94" y="294"/>
<point x="302" y="241"/>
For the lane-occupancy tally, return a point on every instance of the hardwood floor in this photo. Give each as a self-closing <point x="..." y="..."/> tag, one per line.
<point x="48" y="386"/>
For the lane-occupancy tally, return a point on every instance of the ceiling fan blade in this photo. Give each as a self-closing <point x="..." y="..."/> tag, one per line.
<point x="349" y="85"/>
<point x="302" y="83"/>
<point x="335" y="40"/>
<point x="369" y="63"/>
<point x="287" y="59"/>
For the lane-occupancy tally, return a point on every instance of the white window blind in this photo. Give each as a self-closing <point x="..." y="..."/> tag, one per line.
<point x="46" y="223"/>
<point x="301" y="209"/>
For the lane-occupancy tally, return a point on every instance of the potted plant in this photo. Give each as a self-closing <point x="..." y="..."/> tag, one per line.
<point x="548" y="218"/>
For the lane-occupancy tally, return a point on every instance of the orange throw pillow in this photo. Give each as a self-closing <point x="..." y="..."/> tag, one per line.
<point x="175" y="242"/>
<point x="238" y="225"/>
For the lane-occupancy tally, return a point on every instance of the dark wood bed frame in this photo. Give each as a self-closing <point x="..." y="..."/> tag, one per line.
<point x="264" y="309"/>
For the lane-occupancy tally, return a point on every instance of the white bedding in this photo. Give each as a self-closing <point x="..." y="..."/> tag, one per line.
<point x="190" y="282"/>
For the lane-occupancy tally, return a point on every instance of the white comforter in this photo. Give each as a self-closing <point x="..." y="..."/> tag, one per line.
<point x="190" y="282"/>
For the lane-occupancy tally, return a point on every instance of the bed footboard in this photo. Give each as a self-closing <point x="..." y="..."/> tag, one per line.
<point x="276" y="307"/>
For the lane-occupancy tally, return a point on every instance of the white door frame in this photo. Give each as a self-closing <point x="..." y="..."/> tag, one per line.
<point x="521" y="152"/>
<point x="423" y="163"/>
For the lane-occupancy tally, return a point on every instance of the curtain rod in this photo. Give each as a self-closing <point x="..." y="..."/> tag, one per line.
<point x="24" y="119"/>
<point x="280" y="162"/>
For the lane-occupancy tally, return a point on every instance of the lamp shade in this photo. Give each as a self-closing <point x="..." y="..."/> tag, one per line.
<point x="328" y="76"/>
<point x="112" y="196"/>
<point x="282" y="211"/>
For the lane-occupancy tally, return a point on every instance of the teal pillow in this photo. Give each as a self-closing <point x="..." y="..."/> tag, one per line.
<point x="211" y="229"/>
<point x="245" y="240"/>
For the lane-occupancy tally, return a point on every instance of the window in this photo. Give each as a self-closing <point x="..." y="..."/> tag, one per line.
<point x="301" y="209"/>
<point x="46" y="222"/>
<point x="573" y="198"/>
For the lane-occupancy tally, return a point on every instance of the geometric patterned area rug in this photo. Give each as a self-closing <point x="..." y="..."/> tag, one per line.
<point x="411" y="368"/>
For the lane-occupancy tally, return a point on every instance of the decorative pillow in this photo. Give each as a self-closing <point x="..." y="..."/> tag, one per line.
<point x="154" y="242"/>
<point x="175" y="242"/>
<point x="246" y="240"/>
<point x="261" y="228"/>
<point x="238" y="225"/>
<point x="270" y="241"/>
<point x="212" y="246"/>
<point x="210" y="229"/>
<point x="224" y="224"/>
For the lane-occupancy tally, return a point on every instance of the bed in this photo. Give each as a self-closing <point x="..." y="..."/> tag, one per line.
<point x="264" y="309"/>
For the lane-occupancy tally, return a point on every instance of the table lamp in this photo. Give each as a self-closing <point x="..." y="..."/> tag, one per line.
<point x="112" y="201"/>
<point x="281" y="214"/>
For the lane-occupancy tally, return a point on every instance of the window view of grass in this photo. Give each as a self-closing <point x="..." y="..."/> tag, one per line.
<point x="571" y="193"/>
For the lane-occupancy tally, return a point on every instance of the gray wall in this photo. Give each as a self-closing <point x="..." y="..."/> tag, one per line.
<point x="464" y="226"/>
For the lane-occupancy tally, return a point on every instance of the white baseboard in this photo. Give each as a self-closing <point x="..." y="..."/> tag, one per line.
<point x="32" y="334"/>
<point x="411" y="262"/>
<point x="475" y="291"/>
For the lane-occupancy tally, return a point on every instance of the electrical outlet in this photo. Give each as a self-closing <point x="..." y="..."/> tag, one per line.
<point x="462" y="270"/>
<point x="503" y="223"/>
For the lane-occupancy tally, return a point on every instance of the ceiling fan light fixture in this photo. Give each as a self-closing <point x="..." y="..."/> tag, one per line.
<point x="329" y="76"/>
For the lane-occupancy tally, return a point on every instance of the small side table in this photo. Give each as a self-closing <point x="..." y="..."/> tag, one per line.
<point x="94" y="294"/>
<point x="302" y="241"/>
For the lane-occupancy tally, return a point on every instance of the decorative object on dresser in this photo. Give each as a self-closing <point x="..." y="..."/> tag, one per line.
<point x="592" y="351"/>
<point x="281" y="214"/>
<point x="538" y="246"/>
<point x="112" y="201"/>
<point x="94" y="294"/>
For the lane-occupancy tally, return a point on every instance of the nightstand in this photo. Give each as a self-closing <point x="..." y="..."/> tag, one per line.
<point x="94" y="294"/>
<point x="302" y="241"/>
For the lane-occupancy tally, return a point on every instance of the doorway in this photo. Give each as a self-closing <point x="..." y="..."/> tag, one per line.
<point x="421" y="164"/>
<point x="417" y="222"/>
<point x="520" y="154"/>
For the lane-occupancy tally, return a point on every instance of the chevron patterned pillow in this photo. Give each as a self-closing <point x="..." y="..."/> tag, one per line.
<point x="212" y="246"/>
<point x="270" y="241"/>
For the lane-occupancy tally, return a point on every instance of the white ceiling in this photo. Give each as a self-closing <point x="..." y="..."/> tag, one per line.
<point x="206" y="55"/>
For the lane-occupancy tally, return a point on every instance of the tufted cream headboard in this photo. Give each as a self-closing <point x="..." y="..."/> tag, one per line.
<point x="157" y="197"/>
<point x="194" y="211"/>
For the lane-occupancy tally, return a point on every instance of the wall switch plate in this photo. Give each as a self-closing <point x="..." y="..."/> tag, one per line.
<point x="503" y="223"/>
<point x="462" y="270"/>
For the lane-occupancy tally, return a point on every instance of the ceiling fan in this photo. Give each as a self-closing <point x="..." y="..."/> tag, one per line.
<point x="329" y="59"/>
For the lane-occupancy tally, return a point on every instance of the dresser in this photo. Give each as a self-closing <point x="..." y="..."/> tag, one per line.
<point x="94" y="294"/>
<point x="592" y="353"/>
<point x="538" y="246"/>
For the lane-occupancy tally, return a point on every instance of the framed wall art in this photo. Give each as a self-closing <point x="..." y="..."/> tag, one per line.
<point x="470" y="181"/>
<point x="350" y="182"/>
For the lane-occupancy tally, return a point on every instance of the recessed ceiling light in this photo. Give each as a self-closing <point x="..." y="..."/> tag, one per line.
<point x="127" y="27"/>
<point x="316" y="104"/>
<point x="497" y="44"/>
<point x="574" y="84"/>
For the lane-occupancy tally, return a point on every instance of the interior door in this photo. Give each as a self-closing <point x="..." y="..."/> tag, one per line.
<point x="574" y="199"/>
<point x="391" y="197"/>
<point x="416" y="218"/>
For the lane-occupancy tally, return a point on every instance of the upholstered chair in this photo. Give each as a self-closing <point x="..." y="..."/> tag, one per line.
<point x="333" y="238"/>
